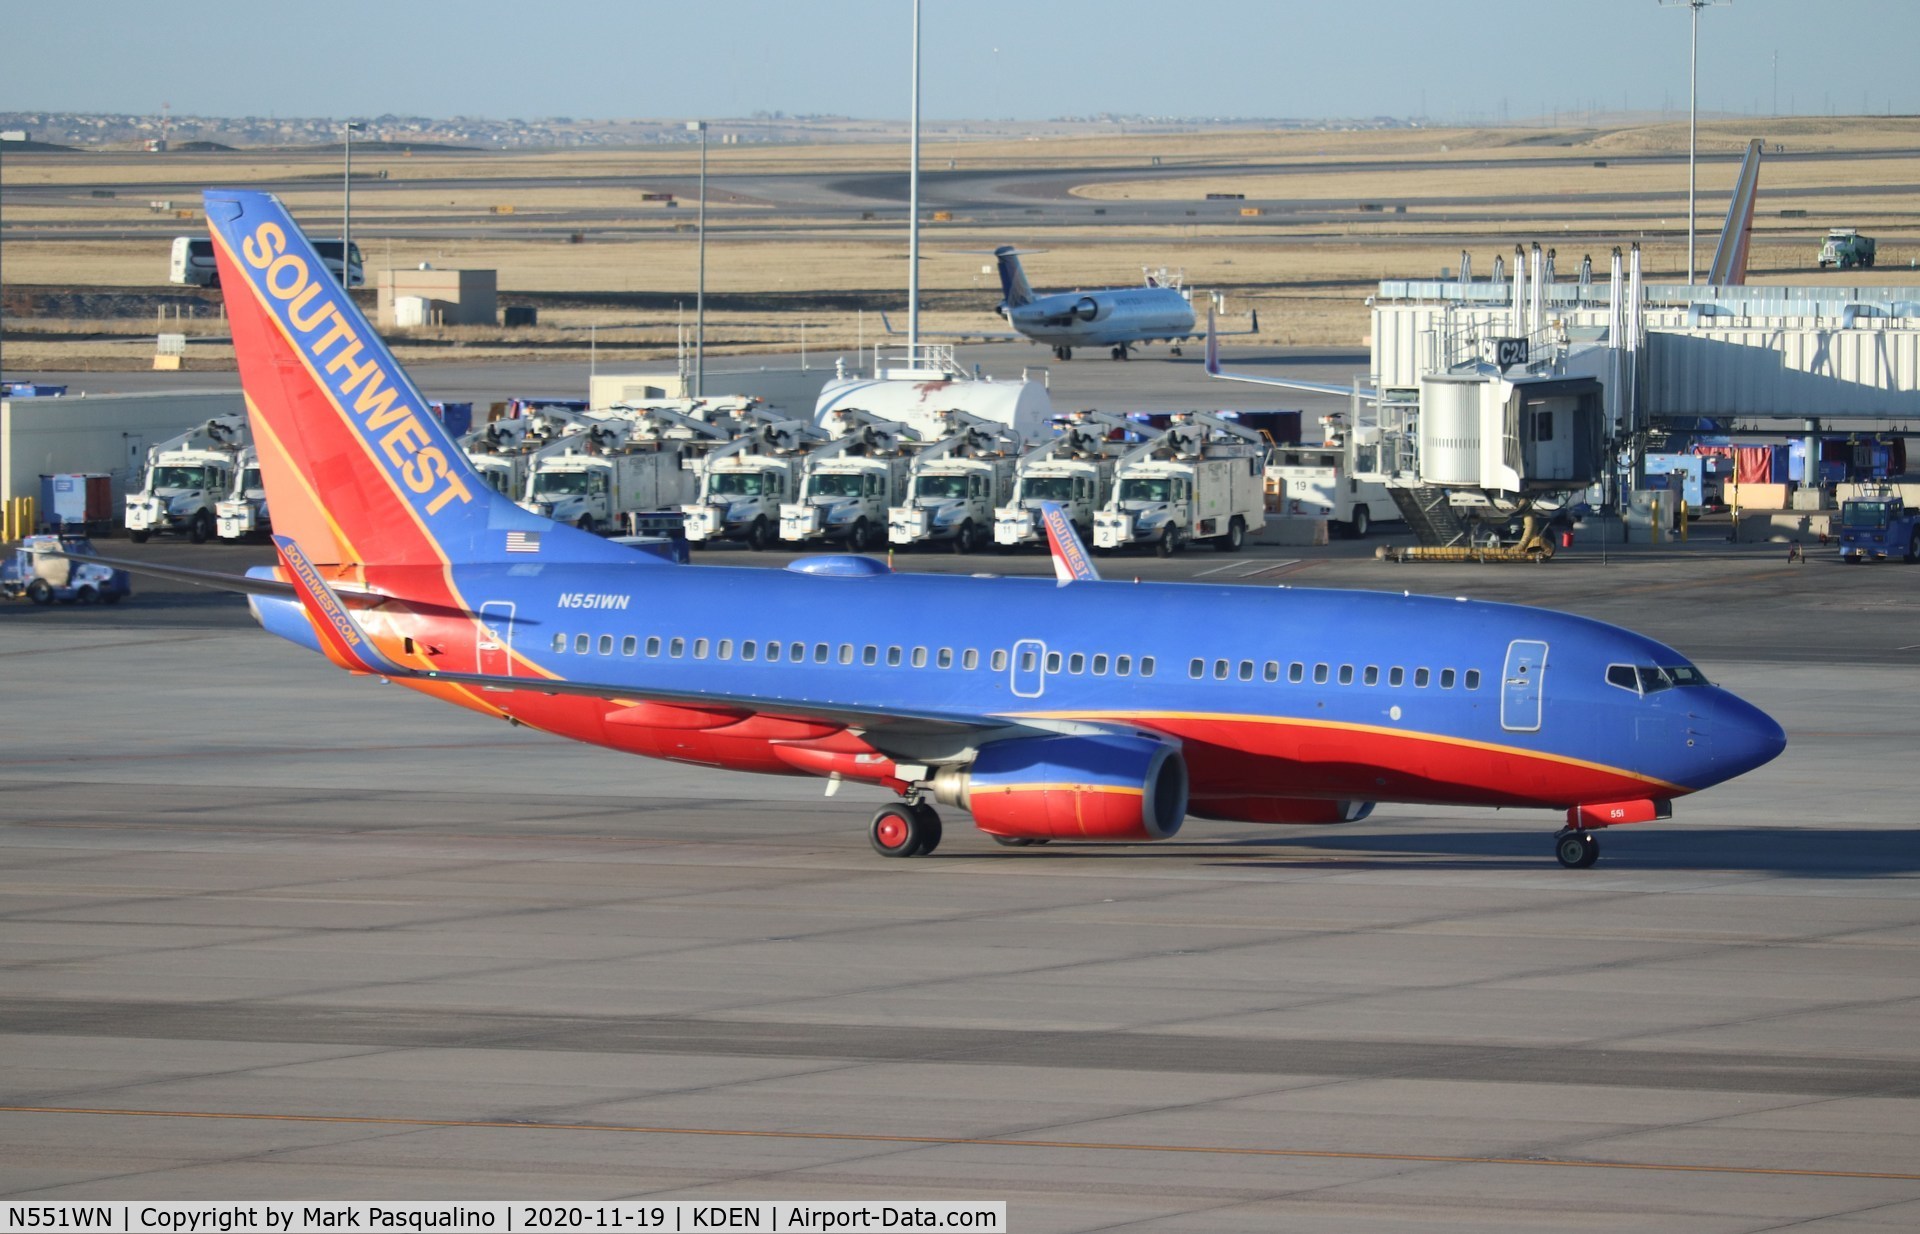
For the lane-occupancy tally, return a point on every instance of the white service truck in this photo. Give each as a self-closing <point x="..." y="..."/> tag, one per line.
<point x="243" y="511"/>
<point x="599" y="478"/>
<point x="956" y="485"/>
<point x="1202" y="478"/>
<point x="743" y="484"/>
<point x="1073" y="470"/>
<point x="1337" y="481"/>
<point x="185" y="479"/>
<point x="847" y="485"/>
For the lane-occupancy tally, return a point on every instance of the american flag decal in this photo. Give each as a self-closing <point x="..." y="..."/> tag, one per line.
<point x="523" y="541"/>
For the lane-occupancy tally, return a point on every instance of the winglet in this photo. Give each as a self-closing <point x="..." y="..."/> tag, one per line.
<point x="1070" y="561"/>
<point x="341" y="637"/>
<point x="888" y="325"/>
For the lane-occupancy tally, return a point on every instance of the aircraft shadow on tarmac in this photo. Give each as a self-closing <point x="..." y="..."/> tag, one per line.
<point x="1834" y="852"/>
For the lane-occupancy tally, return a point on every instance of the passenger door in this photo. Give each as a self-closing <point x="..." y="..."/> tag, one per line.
<point x="494" y="645"/>
<point x="1521" y="686"/>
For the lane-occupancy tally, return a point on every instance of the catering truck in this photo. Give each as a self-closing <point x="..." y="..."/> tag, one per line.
<point x="848" y="484"/>
<point x="186" y="477"/>
<point x="956" y="484"/>
<point x="243" y="511"/>
<point x="1201" y="479"/>
<point x="1073" y="470"/>
<point x="743" y="484"/>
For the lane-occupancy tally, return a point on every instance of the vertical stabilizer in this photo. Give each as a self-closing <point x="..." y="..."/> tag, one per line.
<point x="1729" y="267"/>
<point x="1013" y="280"/>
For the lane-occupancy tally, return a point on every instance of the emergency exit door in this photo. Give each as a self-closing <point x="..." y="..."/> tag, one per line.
<point x="1521" y="686"/>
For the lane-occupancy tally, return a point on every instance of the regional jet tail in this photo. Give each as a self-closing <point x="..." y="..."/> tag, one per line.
<point x="1117" y="318"/>
<point x="1068" y="710"/>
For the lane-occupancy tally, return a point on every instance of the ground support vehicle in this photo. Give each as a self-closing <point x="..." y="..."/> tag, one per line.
<point x="743" y="484"/>
<point x="1073" y="470"/>
<point x="1881" y="526"/>
<point x="186" y="478"/>
<point x="39" y="571"/>
<point x="1330" y="482"/>
<point x="848" y="484"/>
<point x="243" y="511"/>
<point x="1201" y="478"/>
<point x="1846" y="248"/>
<point x="597" y="478"/>
<point x="504" y="452"/>
<point x="956" y="484"/>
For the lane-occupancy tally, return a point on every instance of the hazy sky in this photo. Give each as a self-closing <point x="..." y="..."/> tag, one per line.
<point x="1026" y="59"/>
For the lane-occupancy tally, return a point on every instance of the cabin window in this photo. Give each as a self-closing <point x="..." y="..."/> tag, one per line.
<point x="1321" y="673"/>
<point x="773" y="650"/>
<point x="944" y="657"/>
<point x="1053" y="661"/>
<point x="1446" y="679"/>
<point x="919" y="657"/>
<point x="1420" y="678"/>
<point x="870" y="655"/>
<point x="699" y="648"/>
<point x="1220" y="668"/>
<point x="560" y="642"/>
<point x="1272" y="670"/>
<point x="1623" y="675"/>
<point x="1296" y="672"/>
<point x="1246" y="670"/>
<point x="629" y="645"/>
<point x="1099" y="666"/>
<point x="1396" y="676"/>
<point x="1027" y="661"/>
<point x="1473" y="679"/>
<point x="999" y="661"/>
<point x="1371" y="676"/>
<point x="725" y="650"/>
<point x="606" y="644"/>
<point x="971" y="660"/>
<point x="1146" y="666"/>
<point x="821" y="653"/>
<point x="582" y="643"/>
<point x="1077" y="663"/>
<point x="748" y="649"/>
<point x="1196" y="668"/>
<point x="1122" y="666"/>
<point x="1346" y="674"/>
<point x="797" y="653"/>
<point x="846" y="653"/>
<point x="894" y="655"/>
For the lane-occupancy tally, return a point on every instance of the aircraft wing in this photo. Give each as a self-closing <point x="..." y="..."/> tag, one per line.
<point x="977" y="336"/>
<point x="1253" y="325"/>
<point x="1290" y="383"/>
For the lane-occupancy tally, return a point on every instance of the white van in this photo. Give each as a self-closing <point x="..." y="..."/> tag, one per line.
<point x="193" y="264"/>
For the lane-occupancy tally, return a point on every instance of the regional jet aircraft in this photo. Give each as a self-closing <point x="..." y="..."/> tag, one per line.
<point x="1116" y="318"/>
<point x="1066" y="709"/>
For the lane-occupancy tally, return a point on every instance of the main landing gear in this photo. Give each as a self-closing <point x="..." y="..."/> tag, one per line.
<point x="1120" y="352"/>
<point x="1577" y="850"/>
<point x="904" y="829"/>
<point x="1063" y="353"/>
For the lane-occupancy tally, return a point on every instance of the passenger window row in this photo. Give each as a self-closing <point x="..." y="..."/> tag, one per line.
<point x="870" y="655"/>
<point x="1394" y="676"/>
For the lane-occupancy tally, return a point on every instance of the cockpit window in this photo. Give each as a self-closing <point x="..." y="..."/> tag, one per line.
<point x="1622" y="675"/>
<point x="1686" y="675"/>
<point x="1644" y="679"/>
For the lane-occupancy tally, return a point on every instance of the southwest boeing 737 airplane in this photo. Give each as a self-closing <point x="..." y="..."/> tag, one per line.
<point x="1116" y="318"/>
<point x="1049" y="709"/>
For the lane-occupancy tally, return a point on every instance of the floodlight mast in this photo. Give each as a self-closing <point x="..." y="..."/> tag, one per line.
<point x="913" y="203"/>
<point x="700" y="295"/>
<point x="1693" y="115"/>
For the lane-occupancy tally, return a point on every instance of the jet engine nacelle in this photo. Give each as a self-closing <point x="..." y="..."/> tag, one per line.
<point x="1090" y="309"/>
<point x="1071" y="788"/>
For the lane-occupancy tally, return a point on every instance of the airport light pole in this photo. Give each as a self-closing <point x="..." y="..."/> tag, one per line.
<point x="1693" y="116"/>
<point x="700" y="295"/>
<point x="346" y="209"/>
<point x="913" y="203"/>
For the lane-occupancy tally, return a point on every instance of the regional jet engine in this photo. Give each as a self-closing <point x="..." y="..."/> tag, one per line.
<point x="1071" y="788"/>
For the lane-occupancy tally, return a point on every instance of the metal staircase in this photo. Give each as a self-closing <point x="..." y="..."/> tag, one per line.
<point x="1430" y="516"/>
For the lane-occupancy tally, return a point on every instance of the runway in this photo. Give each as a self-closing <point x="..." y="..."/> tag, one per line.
<point x="271" y="931"/>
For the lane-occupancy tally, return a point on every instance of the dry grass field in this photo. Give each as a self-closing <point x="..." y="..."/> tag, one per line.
<point x="1308" y="276"/>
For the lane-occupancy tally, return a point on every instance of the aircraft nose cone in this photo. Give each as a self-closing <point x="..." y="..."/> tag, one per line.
<point x="1745" y="737"/>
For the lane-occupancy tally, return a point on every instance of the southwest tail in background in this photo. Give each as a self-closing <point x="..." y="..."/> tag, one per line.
<point x="357" y="469"/>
